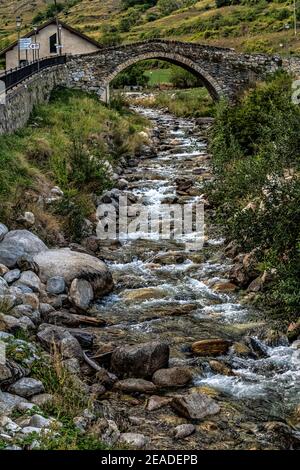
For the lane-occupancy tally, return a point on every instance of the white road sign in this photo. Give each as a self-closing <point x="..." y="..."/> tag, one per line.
<point x="25" y="43"/>
<point x="34" y="46"/>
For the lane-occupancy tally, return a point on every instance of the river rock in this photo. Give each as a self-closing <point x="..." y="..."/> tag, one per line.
<point x="3" y="286"/>
<point x="140" y="360"/>
<point x="156" y="402"/>
<point x="10" y="323"/>
<point x="9" y="402"/>
<point x="73" y="265"/>
<point x="184" y="430"/>
<point x="55" y="335"/>
<point x="224" y="287"/>
<point x="211" y="347"/>
<point x="27" y="387"/>
<point x="70" y="348"/>
<point x="42" y="399"/>
<point x="21" y="310"/>
<point x="293" y="331"/>
<point x="31" y="280"/>
<point x="135" y="385"/>
<point x="81" y="293"/>
<point x="32" y="300"/>
<point x="56" y="285"/>
<point x="144" y="293"/>
<point x="195" y="406"/>
<point x="220" y="368"/>
<point x="173" y="377"/>
<point x="3" y="231"/>
<point x="12" y="276"/>
<point x="5" y="373"/>
<point x="39" y="421"/>
<point x="137" y="441"/>
<point x="241" y="349"/>
<point x="18" y="243"/>
<point x="111" y="434"/>
<point x="3" y="269"/>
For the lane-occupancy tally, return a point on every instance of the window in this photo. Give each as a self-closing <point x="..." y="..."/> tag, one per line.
<point x="52" y="43"/>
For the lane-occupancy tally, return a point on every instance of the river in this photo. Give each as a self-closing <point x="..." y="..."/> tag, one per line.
<point x="258" y="387"/>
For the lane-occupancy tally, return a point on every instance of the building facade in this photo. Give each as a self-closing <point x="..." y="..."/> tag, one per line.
<point x="48" y="37"/>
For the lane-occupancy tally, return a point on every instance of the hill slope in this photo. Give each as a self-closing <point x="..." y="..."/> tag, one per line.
<point x="247" y="25"/>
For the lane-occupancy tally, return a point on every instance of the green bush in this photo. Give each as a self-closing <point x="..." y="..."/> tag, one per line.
<point x="181" y="78"/>
<point x="256" y="158"/>
<point x="132" y="76"/>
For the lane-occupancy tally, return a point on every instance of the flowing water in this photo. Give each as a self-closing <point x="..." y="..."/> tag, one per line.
<point x="259" y="398"/>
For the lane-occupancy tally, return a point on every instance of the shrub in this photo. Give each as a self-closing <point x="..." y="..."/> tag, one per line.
<point x="256" y="148"/>
<point x="182" y="78"/>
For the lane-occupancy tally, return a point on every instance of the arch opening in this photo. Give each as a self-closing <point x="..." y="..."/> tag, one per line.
<point x="213" y="88"/>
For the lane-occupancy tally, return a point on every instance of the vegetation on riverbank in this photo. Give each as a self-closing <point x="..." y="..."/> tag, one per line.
<point x="256" y="192"/>
<point x="182" y="103"/>
<point x="73" y="142"/>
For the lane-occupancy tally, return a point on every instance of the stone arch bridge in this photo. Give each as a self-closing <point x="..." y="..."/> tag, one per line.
<point x="224" y="72"/>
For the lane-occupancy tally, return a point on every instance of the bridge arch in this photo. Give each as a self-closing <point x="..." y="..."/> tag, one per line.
<point x="209" y="82"/>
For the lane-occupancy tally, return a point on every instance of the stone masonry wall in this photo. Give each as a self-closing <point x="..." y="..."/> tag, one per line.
<point x="21" y="100"/>
<point x="223" y="71"/>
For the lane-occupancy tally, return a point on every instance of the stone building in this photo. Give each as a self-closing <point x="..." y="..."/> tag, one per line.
<point x="73" y="42"/>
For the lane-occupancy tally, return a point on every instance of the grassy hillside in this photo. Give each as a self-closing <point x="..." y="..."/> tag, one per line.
<point x="247" y="25"/>
<point x="72" y="142"/>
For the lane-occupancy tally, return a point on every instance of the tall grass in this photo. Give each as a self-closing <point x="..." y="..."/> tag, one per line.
<point x="68" y="143"/>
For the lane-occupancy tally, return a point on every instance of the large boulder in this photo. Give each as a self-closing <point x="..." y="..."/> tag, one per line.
<point x="140" y="360"/>
<point x="74" y="265"/>
<point x="195" y="406"/>
<point x="18" y="243"/>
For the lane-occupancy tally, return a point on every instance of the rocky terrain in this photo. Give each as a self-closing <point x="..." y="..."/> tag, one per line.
<point x="161" y="342"/>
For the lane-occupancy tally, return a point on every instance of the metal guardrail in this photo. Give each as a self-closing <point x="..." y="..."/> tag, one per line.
<point x="13" y="77"/>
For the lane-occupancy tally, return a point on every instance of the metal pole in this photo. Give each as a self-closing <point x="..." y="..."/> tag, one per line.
<point x="295" y="18"/>
<point x="57" y="28"/>
<point x="19" y="50"/>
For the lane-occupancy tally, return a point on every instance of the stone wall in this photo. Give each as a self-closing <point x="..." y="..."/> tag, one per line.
<point x="21" y="100"/>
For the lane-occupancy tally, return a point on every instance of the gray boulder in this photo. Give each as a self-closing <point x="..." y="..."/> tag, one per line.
<point x="18" y="243"/>
<point x="8" y="402"/>
<point x="140" y="360"/>
<point x="72" y="265"/>
<point x="31" y="280"/>
<point x="27" y="387"/>
<point x="12" y="276"/>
